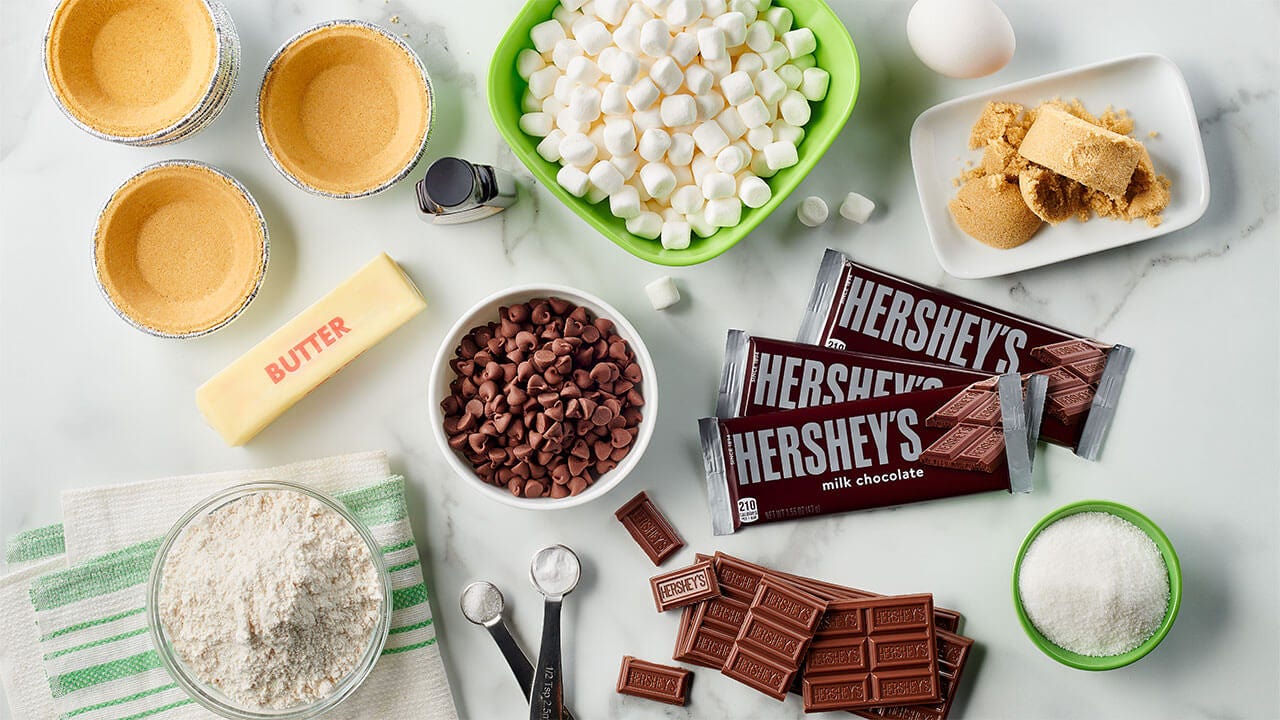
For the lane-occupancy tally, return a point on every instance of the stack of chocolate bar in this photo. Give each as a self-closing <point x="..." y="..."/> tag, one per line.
<point x="839" y="647"/>
<point x="895" y="393"/>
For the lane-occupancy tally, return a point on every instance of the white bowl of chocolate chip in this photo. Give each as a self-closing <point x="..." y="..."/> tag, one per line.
<point x="544" y="397"/>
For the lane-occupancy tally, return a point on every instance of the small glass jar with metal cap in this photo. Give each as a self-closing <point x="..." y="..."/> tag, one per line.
<point x="456" y="191"/>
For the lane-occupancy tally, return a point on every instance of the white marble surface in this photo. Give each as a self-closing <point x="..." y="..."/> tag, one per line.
<point x="88" y="400"/>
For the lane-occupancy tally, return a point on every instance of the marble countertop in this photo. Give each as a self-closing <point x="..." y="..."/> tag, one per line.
<point x="88" y="400"/>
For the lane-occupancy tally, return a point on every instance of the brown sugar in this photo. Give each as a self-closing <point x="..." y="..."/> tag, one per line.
<point x="344" y="109"/>
<point x="1107" y="172"/>
<point x="992" y="211"/>
<point x="180" y="249"/>
<point x="131" y="68"/>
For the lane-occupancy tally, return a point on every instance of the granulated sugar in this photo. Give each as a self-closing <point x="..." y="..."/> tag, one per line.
<point x="271" y="598"/>
<point x="1094" y="584"/>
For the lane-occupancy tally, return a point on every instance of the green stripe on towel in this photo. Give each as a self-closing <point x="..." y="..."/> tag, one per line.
<point x="35" y="544"/>
<point x="379" y="504"/>
<point x="120" y="701"/>
<point x="408" y="596"/>
<point x="91" y="623"/>
<point x="95" y="643"/>
<point x="102" y="576"/>
<point x="407" y="648"/>
<point x="106" y="672"/>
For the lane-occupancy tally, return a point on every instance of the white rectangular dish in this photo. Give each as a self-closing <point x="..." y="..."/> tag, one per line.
<point x="1149" y="86"/>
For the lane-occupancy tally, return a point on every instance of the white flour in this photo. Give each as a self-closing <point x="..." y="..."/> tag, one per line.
<point x="1094" y="584"/>
<point x="271" y="598"/>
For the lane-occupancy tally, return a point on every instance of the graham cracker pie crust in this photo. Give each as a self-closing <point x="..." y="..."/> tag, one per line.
<point x="344" y="109"/>
<point x="180" y="249"/>
<point x="131" y="68"/>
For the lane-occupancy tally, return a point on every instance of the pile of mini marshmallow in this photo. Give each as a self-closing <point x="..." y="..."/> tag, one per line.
<point x="673" y="110"/>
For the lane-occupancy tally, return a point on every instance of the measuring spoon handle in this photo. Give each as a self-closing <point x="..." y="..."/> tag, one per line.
<point x="546" y="701"/>
<point x="520" y="665"/>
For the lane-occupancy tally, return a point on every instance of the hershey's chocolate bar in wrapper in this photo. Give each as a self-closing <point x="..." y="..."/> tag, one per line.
<point x="854" y="307"/>
<point x="878" y="452"/>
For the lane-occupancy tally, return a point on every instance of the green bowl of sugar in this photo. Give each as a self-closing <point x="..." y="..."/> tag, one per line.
<point x="1085" y="578"/>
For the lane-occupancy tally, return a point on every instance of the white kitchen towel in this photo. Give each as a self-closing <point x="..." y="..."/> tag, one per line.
<point x="93" y="646"/>
<point x="20" y="671"/>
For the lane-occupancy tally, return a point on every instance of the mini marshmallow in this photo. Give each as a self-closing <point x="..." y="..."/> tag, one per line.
<point x="710" y="137"/>
<point x="647" y="120"/>
<point x="789" y="133"/>
<point x="749" y="63"/>
<point x="719" y="67"/>
<point x="675" y="236"/>
<point x="791" y="75"/>
<point x="812" y="211"/>
<point x="658" y="179"/>
<point x="626" y="164"/>
<point x="804" y="62"/>
<point x="530" y="102"/>
<point x="580" y="22"/>
<point x="669" y="215"/>
<point x="605" y="175"/>
<point x="702" y="166"/>
<point x="637" y="15"/>
<point x="714" y="8"/>
<point x="643" y="94"/>
<point x="542" y="83"/>
<point x="800" y="42"/>
<point x="698" y="79"/>
<point x="564" y="89"/>
<point x="654" y="144"/>
<point x="577" y="150"/>
<point x="684" y="48"/>
<point x="552" y="106"/>
<point x="607" y="57"/>
<point x="737" y="87"/>
<point x="732" y="124"/>
<point x="712" y="43"/>
<point x="746" y="7"/>
<point x="594" y="195"/>
<point x="546" y="34"/>
<point x="625" y="68"/>
<point x="724" y="212"/>
<point x="549" y="148"/>
<point x="776" y="56"/>
<point x="625" y="203"/>
<point x="732" y="159"/>
<point x="679" y="110"/>
<point x="564" y="51"/>
<point x="655" y="38"/>
<point x="753" y="112"/>
<point x="815" y="83"/>
<point x="779" y="154"/>
<point x="584" y="70"/>
<point x="687" y="199"/>
<point x="794" y="108"/>
<point x="619" y="136"/>
<point x="647" y="225"/>
<point x="684" y="176"/>
<point x="611" y="11"/>
<point x="754" y="192"/>
<point x="627" y="38"/>
<point x="613" y="100"/>
<point x="718" y="185"/>
<point x="699" y="225"/>
<point x="770" y="87"/>
<point x="593" y="37"/>
<point x="759" y="36"/>
<point x="666" y="74"/>
<point x="656" y="6"/>
<point x="663" y="292"/>
<point x="856" y="208"/>
<point x="528" y="62"/>
<point x="681" y="150"/>
<point x="564" y="16"/>
<point x="596" y="134"/>
<point x="760" y="165"/>
<point x="780" y="18"/>
<point x="537" y="124"/>
<point x="584" y="104"/>
<point x="758" y="137"/>
<point x="682" y="12"/>
<point x="572" y="4"/>
<point x="566" y="121"/>
<point x="573" y="180"/>
<point x="645" y="197"/>
<point x="709" y="105"/>
<point x="734" y="27"/>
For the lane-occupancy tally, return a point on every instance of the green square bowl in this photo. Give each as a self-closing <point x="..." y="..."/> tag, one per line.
<point x="835" y="54"/>
<point x="1109" y="662"/>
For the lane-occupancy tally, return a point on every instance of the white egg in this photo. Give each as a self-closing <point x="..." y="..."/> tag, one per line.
<point x="960" y="38"/>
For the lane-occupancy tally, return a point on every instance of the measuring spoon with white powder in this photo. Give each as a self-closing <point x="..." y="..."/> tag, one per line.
<point x="555" y="571"/>
<point x="482" y="603"/>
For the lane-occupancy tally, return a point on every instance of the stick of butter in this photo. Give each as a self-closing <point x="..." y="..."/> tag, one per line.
<point x="266" y="381"/>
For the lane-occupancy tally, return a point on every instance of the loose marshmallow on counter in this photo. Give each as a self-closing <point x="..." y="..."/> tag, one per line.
<point x="574" y="180"/>
<point x="754" y="192"/>
<point x="662" y="293"/>
<point x="812" y="211"/>
<point x="647" y="225"/>
<point x="675" y="235"/>
<point x="856" y="208"/>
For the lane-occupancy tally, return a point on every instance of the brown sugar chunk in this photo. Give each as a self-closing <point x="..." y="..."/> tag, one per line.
<point x="1052" y="197"/>
<point x="993" y="212"/>
<point x="1091" y="155"/>
<point x="997" y="121"/>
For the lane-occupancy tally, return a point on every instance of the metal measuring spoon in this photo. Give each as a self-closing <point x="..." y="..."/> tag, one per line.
<point x="482" y="603"/>
<point x="555" y="571"/>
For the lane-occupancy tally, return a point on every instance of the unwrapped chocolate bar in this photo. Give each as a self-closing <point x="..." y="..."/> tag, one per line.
<point x="854" y="307"/>
<point x="863" y="454"/>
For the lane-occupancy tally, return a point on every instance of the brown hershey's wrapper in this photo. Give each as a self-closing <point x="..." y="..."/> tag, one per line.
<point x="763" y="375"/>
<point x="863" y="454"/>
<point x="854" y="307"/>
